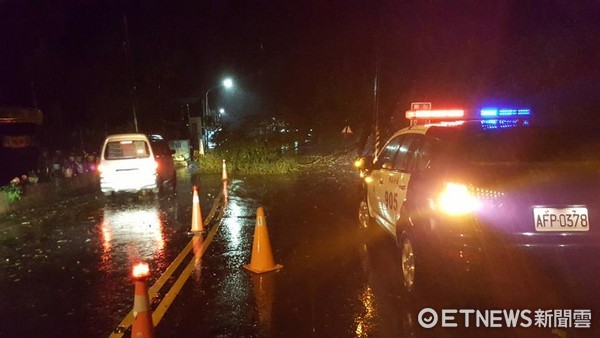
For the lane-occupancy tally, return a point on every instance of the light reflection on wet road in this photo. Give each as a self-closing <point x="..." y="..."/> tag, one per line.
<point x="138" y="228"/>
<point x="337" y="281"/>
<point x="66" y="267"/>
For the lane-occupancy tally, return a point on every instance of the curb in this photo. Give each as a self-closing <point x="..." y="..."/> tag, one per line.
<point x="40" y="193"/>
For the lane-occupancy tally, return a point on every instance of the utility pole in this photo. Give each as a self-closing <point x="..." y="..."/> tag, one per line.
<point x="127" y="46"/>
<point x="376" y="108"/>
<point x="376" y="90"/>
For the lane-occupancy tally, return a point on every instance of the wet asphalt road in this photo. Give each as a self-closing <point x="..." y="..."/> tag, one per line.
<point x="65" y="268"/>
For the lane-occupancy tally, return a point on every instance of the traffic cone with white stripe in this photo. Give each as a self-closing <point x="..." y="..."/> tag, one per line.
<point x="197" y="226"/>
<point x="262" y="257"/>
<point x="224" y="176"/>
<point x="142" y="325"/>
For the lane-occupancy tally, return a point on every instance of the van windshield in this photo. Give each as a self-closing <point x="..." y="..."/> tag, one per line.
<point x="126" y="150"/>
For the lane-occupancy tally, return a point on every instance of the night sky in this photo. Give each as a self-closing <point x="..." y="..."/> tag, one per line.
<point x="309" y="61"/>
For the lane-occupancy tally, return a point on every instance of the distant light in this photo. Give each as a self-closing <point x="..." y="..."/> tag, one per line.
<point x="156" y="137"/>
<point x="221" y="111"/>
<point x="228" y="83"/>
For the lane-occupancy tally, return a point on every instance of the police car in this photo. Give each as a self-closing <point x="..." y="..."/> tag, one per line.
<point x="453" y="187"/>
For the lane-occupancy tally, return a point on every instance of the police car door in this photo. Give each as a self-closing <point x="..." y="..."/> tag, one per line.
<point x="398" y="182"/>
<point x="379" y="197"/>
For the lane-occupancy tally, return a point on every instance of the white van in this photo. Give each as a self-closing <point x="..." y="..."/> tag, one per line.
<point x="128" y="163"/>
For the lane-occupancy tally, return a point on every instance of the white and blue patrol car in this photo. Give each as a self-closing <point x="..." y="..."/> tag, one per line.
<point x="455" y="190"/>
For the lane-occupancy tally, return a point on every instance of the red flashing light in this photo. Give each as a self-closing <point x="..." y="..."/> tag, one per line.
<point x="435" y="114"/>
<point x="140" y="271"/>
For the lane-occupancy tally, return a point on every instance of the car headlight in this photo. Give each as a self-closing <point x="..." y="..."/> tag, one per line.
<point x="456" y="199"/>
<point x="359" y="163"/>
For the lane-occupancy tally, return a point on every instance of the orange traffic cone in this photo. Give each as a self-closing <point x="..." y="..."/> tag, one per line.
<point x="262" y="257"/>
<point x="142" y="325"/>
<point x="224" y="177"/>
<point x="197" y="226"/>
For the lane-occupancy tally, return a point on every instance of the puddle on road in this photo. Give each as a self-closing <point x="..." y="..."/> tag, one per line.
<point x="70" y="262"/>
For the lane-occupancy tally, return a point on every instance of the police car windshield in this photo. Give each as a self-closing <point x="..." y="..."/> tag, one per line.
<point x="523" y="144"/>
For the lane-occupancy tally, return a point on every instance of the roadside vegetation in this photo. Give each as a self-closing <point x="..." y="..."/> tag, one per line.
<point x="273" y="146"/>
<point x="249" y="159"/>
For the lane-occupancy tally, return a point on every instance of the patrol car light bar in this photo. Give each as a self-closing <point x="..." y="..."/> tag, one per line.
<point x="500" y="113"/>
<point x="434" y="114"/>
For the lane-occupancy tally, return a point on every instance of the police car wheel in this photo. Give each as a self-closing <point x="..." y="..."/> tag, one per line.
<point x="407" y="261"/>
<point x="364" y="217"/>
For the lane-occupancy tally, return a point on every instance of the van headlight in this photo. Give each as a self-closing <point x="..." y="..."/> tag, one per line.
<point x="456" y="199"/>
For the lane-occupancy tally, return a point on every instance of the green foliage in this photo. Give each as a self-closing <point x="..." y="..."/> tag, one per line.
<point x="249" y="159"/>
<point x="13" y="192"/>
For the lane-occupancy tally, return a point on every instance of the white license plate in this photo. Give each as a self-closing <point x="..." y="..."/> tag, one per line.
<point x="561" y="219"/>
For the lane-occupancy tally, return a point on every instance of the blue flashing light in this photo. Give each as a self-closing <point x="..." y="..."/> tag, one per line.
<point x="489" y="112"/>
<point x="495" y="113"/>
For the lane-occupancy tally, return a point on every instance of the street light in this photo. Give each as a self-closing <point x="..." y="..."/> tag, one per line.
<point x="221" y="111"/>
<point x="227" y="83"/>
